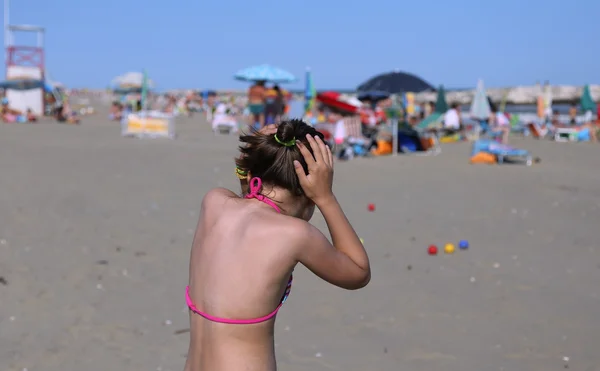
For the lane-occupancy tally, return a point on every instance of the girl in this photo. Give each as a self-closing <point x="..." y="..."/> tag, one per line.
<point x="245" y="248"/>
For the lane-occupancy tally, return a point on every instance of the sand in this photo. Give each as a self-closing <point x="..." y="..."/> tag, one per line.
<point x="95" y="232"/>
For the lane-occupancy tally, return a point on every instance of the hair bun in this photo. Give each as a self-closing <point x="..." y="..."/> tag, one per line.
<point x="286" y="131"/>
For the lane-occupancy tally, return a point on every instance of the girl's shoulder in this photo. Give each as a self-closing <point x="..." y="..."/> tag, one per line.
<point x="217" y="195"/>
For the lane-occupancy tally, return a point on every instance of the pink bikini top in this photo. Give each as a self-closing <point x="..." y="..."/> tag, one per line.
<point x="255" y="187"/>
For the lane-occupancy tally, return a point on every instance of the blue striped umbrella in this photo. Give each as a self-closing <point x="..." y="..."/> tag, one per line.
<point x="480" y="107"/>
<point x="265" y="72"/>
<point x="310" y="93"/>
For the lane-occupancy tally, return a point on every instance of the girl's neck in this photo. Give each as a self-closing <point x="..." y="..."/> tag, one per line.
<point x="287" y="202"/>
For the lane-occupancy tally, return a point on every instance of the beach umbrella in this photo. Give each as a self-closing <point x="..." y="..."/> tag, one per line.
<point x="22" y="84"/>
<point x="441" y="106"/>
<point x="339" y="102"/>
<point x="587" y="102"/>
<point x="395" y="83"/>
<point x="265" y="72"/>
<point x="373" y="95"/>
<point x="480" y="107"/>
<point x="144" y="93"/>
<point x="131" y="80"/>
<point x="310" y="94"/>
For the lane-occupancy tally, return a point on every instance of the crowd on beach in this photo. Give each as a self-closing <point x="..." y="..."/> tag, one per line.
<point x="58" y="109"/>
<point x="357" y="127"/>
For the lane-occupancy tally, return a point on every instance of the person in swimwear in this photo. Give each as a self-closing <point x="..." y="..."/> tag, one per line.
<point x="246" y="248"/>
<point x="256" y="103"/>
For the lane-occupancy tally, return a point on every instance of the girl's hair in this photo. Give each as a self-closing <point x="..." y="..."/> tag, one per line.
<point x="265" y="157"/>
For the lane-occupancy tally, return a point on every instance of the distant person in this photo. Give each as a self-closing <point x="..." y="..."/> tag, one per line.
<point x="246" y="248"/>
<point x="116" y="111"/>
<point x="63" y="114"/>
<point x="573" y="113"/>
<point x="422" y="111"/>
<point x="256" y="103"/>
<point x="10" y="115"/>
<point x="273" y="105"/>
<point x="500" y="124"/>
<point x="30" y="116"/>
<point x="429" y="108"/>
<point x="452" y="122"/>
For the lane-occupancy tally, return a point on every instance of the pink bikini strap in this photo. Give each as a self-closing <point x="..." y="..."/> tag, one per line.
<point x="255" y="187"/>
<point x="232" y="321"/>
<point x="194" y="309"/>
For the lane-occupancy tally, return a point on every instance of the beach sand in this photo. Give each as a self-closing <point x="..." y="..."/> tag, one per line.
<point x="95" y="234"/>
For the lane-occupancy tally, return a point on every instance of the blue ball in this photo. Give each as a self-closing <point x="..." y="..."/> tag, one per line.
<point x="463" y="244"/>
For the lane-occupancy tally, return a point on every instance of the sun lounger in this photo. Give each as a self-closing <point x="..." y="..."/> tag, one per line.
<point x="501" y="151"/>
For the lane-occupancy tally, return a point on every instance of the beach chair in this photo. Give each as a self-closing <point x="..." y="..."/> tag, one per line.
<point x="501" y="151"/>
<point x="516" y="126"/>
<point x="353" y="143"/>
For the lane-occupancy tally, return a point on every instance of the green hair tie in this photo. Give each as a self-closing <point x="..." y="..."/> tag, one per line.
<point x="289" y="143"/>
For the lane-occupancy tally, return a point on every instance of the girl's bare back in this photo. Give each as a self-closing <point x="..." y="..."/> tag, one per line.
<point x="235" y="239"/>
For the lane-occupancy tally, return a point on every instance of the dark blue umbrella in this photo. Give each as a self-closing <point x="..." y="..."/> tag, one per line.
<point x="373" y="95"/>
<point x="22" y="84"/>
<point x="396" y="83"/>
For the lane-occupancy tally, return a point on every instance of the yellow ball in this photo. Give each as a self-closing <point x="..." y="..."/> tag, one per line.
<point x="449" y="248"/>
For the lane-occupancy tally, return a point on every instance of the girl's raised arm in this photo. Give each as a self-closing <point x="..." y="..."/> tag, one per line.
<point x="346" y="263"/>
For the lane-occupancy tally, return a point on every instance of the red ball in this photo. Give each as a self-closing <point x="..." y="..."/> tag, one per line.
<point x="371" y="207"/>
<point x="432" y="250"/>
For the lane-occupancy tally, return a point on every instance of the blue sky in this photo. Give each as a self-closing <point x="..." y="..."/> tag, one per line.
<point x="201" y="44"/>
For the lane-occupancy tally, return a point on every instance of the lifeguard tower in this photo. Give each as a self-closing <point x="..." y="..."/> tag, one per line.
<point x="25" y="63"/>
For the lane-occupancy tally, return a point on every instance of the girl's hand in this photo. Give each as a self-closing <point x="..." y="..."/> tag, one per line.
<point x="317" y="184"/>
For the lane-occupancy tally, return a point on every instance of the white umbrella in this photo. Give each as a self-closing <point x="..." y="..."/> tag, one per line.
<point x="480" y="106"/>
<point x="131" y="79"/>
